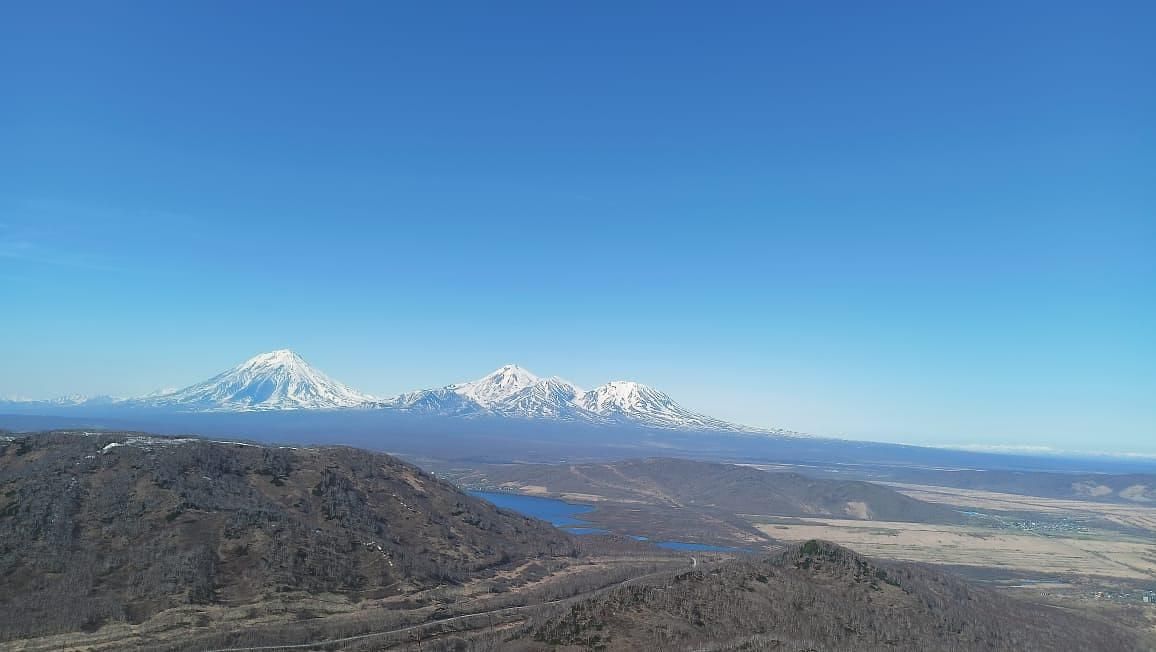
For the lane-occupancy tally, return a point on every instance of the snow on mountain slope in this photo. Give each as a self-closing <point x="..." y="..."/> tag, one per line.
<point x="508" y="391"/>
<point x="164" y="391"/>
<point x="548" y="398"/>
<point x="514" y="392"/>
<point x="281" y="380"/>
<point x="444" y="402"/>
<point x="635" y="402"/>
<point x="496" y="386"/>
<point x="278" y="380"/>
<point x="69" y="401"/>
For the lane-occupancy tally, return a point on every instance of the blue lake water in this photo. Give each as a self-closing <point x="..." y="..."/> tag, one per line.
<point x="556" y="512"/>
<point x="695" y="547"/>
<point x="564" y="515"/>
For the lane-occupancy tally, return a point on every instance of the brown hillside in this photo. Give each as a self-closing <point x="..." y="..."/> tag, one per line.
<point x="106" y="528"/>
<point x="818" y="596"/>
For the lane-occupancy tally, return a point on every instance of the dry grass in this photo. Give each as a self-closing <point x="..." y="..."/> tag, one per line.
<point x="1094" y="552"/>
<point x="970" y="546"/>
<point x="1140" y="516"/>
<point x="333" y="612"/>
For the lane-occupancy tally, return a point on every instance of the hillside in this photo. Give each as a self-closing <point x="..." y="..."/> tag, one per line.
<point x="130" y="541"/>
<point x="109" y="528"/>
<point x="817" y="596"/>
<point x="726" y="487"/>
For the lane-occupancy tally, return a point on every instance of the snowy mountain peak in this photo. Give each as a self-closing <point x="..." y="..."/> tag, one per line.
<point x="277" y="380"/>
<point x="622" y="396"/>
<point x="511" y="391"/>
<point x="510" y="374"/>
<point x="625" y="400"/>
<point x="283" y="380"/>
<point x="556" y="385"/>
<point x="278" y="358"/>
<point x="496" y="385"/>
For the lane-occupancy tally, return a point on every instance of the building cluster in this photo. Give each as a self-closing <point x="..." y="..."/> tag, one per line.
<point x="1147" y="597"/>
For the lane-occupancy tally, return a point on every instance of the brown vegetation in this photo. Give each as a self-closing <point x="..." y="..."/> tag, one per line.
<point x="819" y="596"/>
<point x="116" y="528"/>
<point x="729" y="488"/>
<point x="119" y="541"/>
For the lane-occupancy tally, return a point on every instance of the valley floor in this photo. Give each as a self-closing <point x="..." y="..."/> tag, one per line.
<point x="1088" y="556"/>
<point x="1091" y="553"/>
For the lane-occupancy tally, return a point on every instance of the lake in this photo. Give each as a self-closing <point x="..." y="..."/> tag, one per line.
<point x="556" y="512"/>
<point x="564" y="515"/>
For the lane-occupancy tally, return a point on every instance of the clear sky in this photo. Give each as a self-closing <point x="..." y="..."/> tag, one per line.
<point x="903" y="221"/>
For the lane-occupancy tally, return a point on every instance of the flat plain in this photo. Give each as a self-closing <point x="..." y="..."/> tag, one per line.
<point x="1056" y="538"/>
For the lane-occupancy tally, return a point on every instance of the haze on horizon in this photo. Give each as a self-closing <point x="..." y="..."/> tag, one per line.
<point x="868" y="226"/>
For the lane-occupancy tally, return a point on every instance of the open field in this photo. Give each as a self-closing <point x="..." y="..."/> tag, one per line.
<point x="1136" y="516"/>
<point x="1090" y="557"/>
<point x="1099" y="553"/>
<point x="1087" y="556"/>
<point x="991" y="534"/>
<point x="1091" y="538"/>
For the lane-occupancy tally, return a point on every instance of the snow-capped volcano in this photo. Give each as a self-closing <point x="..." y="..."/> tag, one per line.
<point x="513" y="392"/>
<point x="634" y="402"/>
<point x="278" y="380"/>
<point x="547" y="398"/>
<point x="509" y="390"/>
<point x="282" y="380"/>
<point x="443" y="402"/>
<point x="496" y="386"/>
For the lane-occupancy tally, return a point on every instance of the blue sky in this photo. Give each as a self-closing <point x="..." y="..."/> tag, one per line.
<point x="929" y="224"/>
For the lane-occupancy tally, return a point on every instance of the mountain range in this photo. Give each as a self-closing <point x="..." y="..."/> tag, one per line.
<point x="283" y="380"/>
